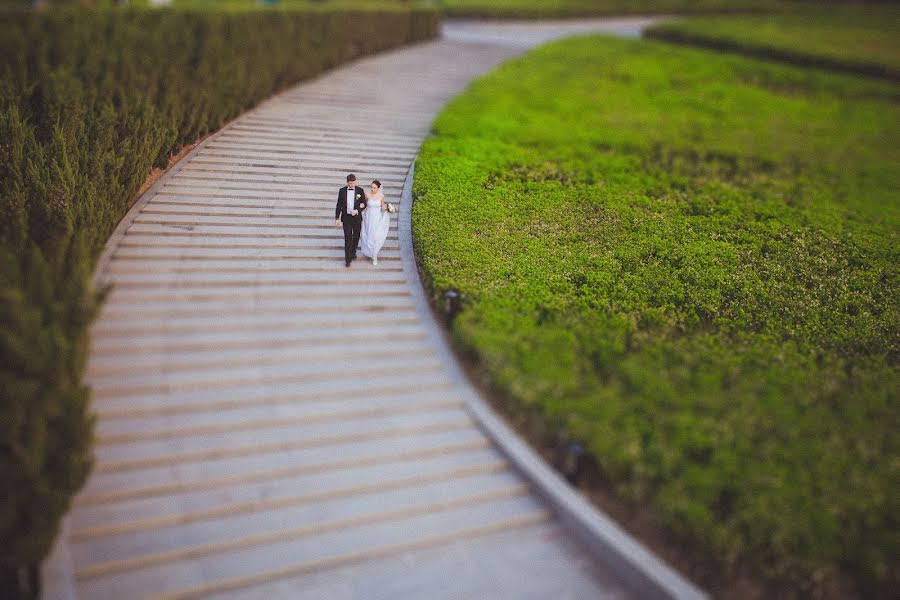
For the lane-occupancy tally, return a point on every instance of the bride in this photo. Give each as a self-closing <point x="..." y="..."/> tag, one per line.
<point x="376" y="222"/>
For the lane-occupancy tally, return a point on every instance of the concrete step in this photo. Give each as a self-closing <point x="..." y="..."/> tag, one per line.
<point x="258" y="140"/>
<point x="326" y="221"/>
<point x="376" y="403"/>
<point x="388" y="481"/>
<point x="325" y="239"/>
<point x="167" y="361"/>
<point x="301" y="284"/>
<point x="374" y="114"/>
<point x="299" y="201"/>
<point x="324" y="186"/>
<point x="309" y="205"/>
<point x="282" y="183"/>
<point x="231" y="208"/>
<point x="109" y="330"/>
<point x="289" y="207"/>
<point x="250" y="148"/>
<point x="137" y="267"/>
<point x="132" y="460"/>
<point x="375" y="418"/>
<point x="213" y="241"/>
<point x="189" y="274"/>
<point x="198" y="286"/>
<point x="260" y="373"/>
<point x="380" y="420"/>
<point x="310" y="139"/>
<point x="316" y="186"/>
<point x="141" y="549"/>
<point x="415" y="126"/>
<point x="161" y="231"/>
<point x="323" y="229"/>
<point x="262" y="125"/>
<point x="158" y="426"/>
<point x="312" y="159"/>
<point x="344" y="293"/>
<point x="236" y="254"/>
<point x="328" y="308"/>
<point x="392" y="183"/>
<point x="277" y="392"/>
<point x="298" y="166"/>
<point x="334" y="543"/>
<point x="334" y="172"/>
<point x="324" y="193"/>
<point x="283" y="336"/>
<point x="495" y="565"/>
<point x="188" y="476"/>
<point x="197" y="504"/>
<point x="271" y="123"/>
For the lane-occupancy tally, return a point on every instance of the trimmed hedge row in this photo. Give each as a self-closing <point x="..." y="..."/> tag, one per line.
<point x="90" y="102"/>
<point x="860" y="44"/>
<point x="542" y="9"/>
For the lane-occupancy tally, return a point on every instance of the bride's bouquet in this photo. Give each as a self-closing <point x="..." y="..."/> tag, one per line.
<point x="391" y="208"/>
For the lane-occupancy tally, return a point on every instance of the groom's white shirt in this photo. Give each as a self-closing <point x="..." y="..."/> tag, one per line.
<point x="351" y="199"/>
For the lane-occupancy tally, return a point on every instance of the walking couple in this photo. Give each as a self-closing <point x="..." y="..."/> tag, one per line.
<point x="367" y="233"/>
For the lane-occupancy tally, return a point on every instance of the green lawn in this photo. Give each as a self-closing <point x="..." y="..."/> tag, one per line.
<point x="689" y="262"/>
<point x="571" y="8"/>
<point x="862" y="39"/>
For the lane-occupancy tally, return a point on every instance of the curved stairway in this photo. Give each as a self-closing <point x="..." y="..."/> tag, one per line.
<point x="273" y="425"/>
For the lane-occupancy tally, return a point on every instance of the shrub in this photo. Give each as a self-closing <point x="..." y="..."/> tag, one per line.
<point x="861" y="40"/>
<point x="541" y="9"/>
<point x="90" y="101"/>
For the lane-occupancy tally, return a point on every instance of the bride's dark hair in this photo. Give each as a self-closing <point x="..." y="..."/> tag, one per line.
<point x="376" y="182"/>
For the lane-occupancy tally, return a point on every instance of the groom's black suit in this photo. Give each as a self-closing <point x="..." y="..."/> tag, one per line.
<point x="352" y="224"/>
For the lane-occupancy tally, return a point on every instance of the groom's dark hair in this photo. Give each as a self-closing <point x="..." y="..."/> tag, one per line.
<point x="351" y="177"/>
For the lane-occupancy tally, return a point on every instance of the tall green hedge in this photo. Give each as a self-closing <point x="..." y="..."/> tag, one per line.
<point x="90" y="102"/>
<point x="861" y="40"/>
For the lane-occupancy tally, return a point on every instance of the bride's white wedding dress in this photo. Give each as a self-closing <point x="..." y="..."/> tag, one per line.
<point x="374" y="230"/>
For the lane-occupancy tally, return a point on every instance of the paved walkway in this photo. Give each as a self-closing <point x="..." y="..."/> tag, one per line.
<point x="273" y="425"/>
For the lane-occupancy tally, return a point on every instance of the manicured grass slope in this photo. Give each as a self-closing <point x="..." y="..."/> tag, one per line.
<point x="688" y="262"/>
<point x="858" y="40"/>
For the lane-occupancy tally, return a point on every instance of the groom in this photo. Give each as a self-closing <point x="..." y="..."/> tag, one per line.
<point x="350" y="204"/>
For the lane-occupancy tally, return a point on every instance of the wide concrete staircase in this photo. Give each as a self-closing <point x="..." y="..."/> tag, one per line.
<point x="274" y="425"/>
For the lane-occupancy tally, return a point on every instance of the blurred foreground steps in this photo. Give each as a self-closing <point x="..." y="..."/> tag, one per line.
<point x="274" y="425"/>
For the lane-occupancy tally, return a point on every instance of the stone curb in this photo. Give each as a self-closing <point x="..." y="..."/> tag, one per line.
<point x="645" y="573"/>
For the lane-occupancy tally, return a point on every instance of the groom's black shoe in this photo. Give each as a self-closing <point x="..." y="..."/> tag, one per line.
<point x="347" y="263"/>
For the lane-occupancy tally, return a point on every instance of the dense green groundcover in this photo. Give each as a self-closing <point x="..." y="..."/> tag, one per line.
<point x="90" y="101"/>
<point x="861" y="39"/>
<point x="573" y="8"/>
<point x="689" y="262"/>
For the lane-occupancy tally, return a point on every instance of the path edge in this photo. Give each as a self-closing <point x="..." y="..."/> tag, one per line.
<point x="630" y="560"/>
<point x="57" y="570"/>
<point x="98" y="278"/>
